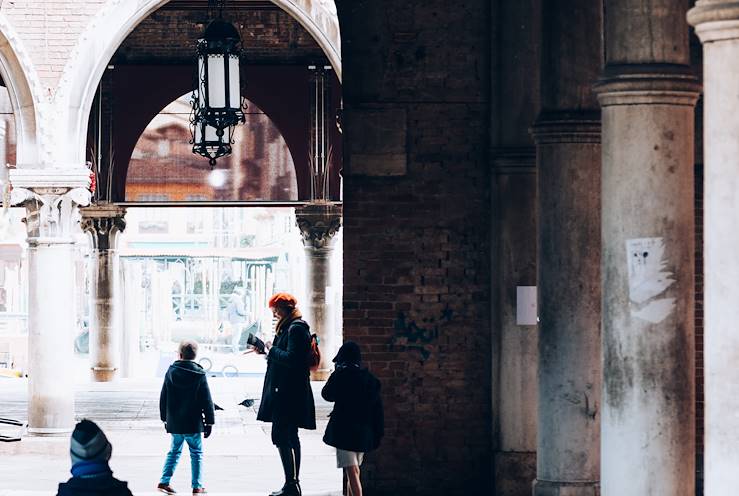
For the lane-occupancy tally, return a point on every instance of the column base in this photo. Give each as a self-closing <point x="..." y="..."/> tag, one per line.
<point x="320" y="375"/>
<point x="49" y="432"/>
<point x="566" y="488"/>
<point x="103" y="374"/>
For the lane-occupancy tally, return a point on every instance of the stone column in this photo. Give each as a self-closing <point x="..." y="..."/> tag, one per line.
<point x="515" y="348"/>
<point x="648" y="96"/>
<point x="51" y="198"/>
<point x="319" y="223"/>
<point x="104" y="222"/>
<point x="567" y="136"/>
<point x="717" y="25"/>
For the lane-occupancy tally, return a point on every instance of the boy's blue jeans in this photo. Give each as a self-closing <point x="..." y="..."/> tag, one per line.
<point x="195" y="443"/>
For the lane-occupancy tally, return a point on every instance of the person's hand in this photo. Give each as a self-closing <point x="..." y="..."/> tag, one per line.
<point x="207" y="429"/>
<point x="249" y="350"/>
<point x="267" y="346"/>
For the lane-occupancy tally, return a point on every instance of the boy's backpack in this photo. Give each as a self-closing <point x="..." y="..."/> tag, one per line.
<point x="314" y="354"/>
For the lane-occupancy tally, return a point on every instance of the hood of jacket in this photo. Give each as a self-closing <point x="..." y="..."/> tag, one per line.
<point x="185" y="374"/>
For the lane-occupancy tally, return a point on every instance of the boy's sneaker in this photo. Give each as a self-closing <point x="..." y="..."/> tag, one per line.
<point x="199" y="490"/>
<point x="166" y="488"/>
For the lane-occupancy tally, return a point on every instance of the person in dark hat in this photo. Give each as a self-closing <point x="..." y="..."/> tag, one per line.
<point x="356" y="424"/>
<point x="91" y="475"/>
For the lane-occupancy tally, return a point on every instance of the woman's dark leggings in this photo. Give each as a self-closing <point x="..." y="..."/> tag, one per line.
<point x="285" y="437"/>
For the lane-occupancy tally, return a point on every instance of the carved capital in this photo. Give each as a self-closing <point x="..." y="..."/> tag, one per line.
<point x="318" y="222"/>
<point x="51" y="213"/>
<point x="104" y="222"/>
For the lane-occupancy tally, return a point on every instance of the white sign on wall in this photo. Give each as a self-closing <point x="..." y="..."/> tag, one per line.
<point x="526" y="310"/>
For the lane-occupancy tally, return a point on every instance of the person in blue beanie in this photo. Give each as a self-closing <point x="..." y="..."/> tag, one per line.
<point x="91" y="475"/>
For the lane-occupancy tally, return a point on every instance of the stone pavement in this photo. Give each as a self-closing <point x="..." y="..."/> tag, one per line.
<point x="239" y="457"/>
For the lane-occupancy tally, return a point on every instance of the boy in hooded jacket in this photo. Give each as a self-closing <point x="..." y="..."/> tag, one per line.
<point x="356" y="424"/>
<point x="186" y="408"/>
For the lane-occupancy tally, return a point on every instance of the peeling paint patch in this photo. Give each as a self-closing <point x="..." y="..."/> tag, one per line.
<point x="648" y="279"/>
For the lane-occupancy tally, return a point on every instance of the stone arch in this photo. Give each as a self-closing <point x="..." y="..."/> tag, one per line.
<point x="118" y="18"/>
<point x="24" y="89"/>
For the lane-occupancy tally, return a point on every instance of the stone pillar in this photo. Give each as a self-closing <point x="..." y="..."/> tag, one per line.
<point x="132" y="319"/>
<point x="104" y="222"/>
<point x="51" y="198"/>
<point x="567" y="136"/>
<point x="319" y="223"/>
<point x="568" y="169"/>
<point x="648" y="96"/>
<point x="515" y="349"/>
<point x="717" y="25"/>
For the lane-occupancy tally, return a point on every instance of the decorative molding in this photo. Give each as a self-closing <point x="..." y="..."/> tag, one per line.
<point x="647" y="84"/>
<point x="715" y="20"/>
<point x="567" y="127"/>
<point x="51" y="198"/>
<point x="513" y="160"/>
<point x="104" y="222"/>
<point x="318" y="223"/>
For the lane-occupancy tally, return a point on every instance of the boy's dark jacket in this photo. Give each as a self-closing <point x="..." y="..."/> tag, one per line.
<point x="357" y="422"/>
<point x="104" y="485"/>
<point x="185" y="402"/>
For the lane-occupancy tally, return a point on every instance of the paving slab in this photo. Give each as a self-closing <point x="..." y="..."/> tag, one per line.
<point x="239" y="456"/>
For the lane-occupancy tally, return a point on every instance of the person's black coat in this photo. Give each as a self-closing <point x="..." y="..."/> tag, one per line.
<point x="185" y="402"/>
<point x="286" y="395"/>
<point x="357" y="422"/>
<point x="104" y="485"/>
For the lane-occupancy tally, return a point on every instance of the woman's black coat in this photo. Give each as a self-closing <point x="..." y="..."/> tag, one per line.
<point x="286" y="395"/>
<point x="357" y="422"/>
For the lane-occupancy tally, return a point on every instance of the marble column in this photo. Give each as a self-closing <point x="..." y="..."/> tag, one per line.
<point x="567" y="136"/>
<point x="103" y="222"/>
<point x="648" y="96"/>
<point x="717" y="25"/>
<point x="51" y="198"/>
<point x="319" y="222"/>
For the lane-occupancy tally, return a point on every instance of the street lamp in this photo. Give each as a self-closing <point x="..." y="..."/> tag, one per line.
<point x="217" y="104"/>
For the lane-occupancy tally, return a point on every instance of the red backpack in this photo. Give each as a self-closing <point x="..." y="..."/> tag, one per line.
<point x="314" y="354"/>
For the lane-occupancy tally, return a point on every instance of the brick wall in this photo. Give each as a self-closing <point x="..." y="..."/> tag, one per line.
<point x="269" y="36"/>
<point x="50" y="29"/>
<point x="417" y="245"/>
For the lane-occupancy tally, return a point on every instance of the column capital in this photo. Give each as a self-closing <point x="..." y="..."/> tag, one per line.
<point x="567" y="127"/>
<point x="103" y="221"/>
<point x="640" y="84"/>
<point x="513" y="160"/>
<point x="51" y="198"/>
<point x="715" y="20"/>
<point x="318" y="223"/>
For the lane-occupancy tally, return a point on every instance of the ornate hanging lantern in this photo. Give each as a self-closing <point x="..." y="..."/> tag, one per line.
<point x="217" y="104"/>
<point x="210" y="142"/>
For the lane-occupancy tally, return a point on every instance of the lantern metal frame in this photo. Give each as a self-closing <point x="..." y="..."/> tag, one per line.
<point x="215" y="113"/>
<point x="208" y="141"/>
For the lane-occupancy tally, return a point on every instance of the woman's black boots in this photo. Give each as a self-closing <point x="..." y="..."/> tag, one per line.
<point x="290" y="465"/>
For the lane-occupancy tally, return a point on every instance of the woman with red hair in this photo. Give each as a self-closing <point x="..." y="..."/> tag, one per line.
<point x="287" y="398"/>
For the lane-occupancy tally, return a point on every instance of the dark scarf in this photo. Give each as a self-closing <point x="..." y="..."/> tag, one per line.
<point x="91" y="469"/>
<point x="285" y="322"/>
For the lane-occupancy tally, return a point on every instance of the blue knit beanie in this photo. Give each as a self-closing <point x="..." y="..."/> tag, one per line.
<point x="89" y="444"/>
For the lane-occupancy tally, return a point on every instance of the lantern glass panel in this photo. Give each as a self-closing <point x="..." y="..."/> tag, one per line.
<point x="216" y="81"/>
<point x="233" y="86"/>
